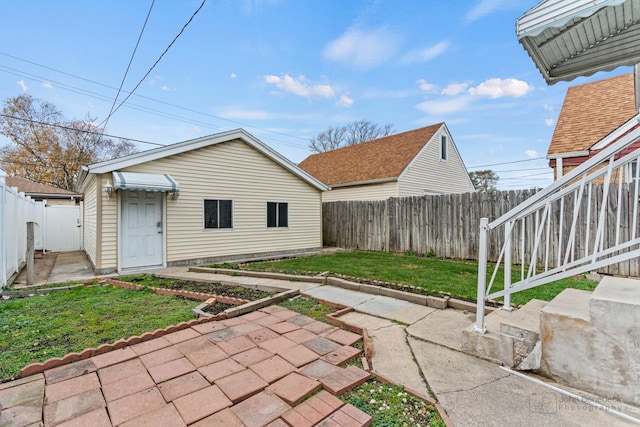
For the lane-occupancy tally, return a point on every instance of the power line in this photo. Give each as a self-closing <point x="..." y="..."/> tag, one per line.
<point x="133" y="54"/>
<point x="506" y="163"/>
<point x="140" y="108"/>
<point x="57" y="125"/>
<point x="521" y="170"/>
<point x="157" y="61"/>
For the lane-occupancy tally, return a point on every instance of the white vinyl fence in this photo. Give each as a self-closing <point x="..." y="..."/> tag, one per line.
<point x="57" y="228"/>
<point x="16" y="210"/>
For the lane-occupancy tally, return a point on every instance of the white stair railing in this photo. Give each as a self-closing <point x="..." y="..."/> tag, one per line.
<point x="586" y="220"/>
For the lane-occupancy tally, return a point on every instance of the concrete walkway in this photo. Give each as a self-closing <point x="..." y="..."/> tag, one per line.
<point x="419" y="347"/>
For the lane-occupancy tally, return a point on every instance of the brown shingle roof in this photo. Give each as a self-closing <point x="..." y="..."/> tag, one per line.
<point x="381" y="158"/>
<point x="30" y="187"/>
<point x="592" y="111"/>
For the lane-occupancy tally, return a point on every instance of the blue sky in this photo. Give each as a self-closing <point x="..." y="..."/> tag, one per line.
<point x="286" y="69"/>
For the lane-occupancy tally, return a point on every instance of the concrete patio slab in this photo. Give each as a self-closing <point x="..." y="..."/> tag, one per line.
<point x="338" y="295"/>
<point x="443" y="327"/>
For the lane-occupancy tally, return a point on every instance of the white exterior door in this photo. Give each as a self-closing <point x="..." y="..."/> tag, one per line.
<point x="141" y="229"/>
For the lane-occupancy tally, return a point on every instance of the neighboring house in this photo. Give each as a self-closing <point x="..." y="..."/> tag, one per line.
<point x="204" y="200"/>
<point x="39" y="192"/>
<point x="415" y="163"/>
<point x="590" y="112"/>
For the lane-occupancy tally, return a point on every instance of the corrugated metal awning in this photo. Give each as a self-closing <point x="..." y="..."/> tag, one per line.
<point x="144" y="181"/>
<point x="571" y="38"/>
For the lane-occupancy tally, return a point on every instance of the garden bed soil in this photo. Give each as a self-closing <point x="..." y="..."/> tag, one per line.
<point x="213" y="288"/>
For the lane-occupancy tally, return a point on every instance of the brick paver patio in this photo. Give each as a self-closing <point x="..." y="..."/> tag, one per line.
<point x="263" y="368"/>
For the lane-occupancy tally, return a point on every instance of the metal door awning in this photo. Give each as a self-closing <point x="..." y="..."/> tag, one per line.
<point x="571" y="38"/>
<point x="144" y="182"/>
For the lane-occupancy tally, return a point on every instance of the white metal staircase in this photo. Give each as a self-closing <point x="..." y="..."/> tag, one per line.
<point x="600" y="229"/>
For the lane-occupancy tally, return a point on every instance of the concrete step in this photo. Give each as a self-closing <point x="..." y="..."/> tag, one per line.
<point x="620" y="296"/>
<point x="510" y="336"/>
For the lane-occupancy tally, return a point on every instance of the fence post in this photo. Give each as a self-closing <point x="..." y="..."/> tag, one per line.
<point x="30" y="253"/>
<point x="482" y="276"/>
<point x="507" y="264"/>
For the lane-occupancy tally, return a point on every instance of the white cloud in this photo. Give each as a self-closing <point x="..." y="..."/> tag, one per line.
<point x="427" y="53"/>
<point x="165" y="88"/>
<point x="426" y="86"/>
<point x="447" y="106"/>
<point x="549" y="107"/>
<point x="532" y="154"/>
<point x="386" y="94"/>
<point x="47" y="85"/>
<point x="233" y="75"/>
<point x="484" y="8"/>
<point x="499" y="88"/>
<point x="454" y="89"/>
<point x="548" y="122"/>
<point x="362" y="49"/>
<point x="344" y="101"/>
<point x="299" y="86"/>
<point x="22" y="85"/>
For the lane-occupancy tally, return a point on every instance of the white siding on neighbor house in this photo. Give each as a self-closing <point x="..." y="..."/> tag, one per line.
<point x="89" y="219"/>
<point x="380" y="191"/>
<point x="428" y="174"/>
<point x="108" y="228"/>
<point x="233" y="170"/>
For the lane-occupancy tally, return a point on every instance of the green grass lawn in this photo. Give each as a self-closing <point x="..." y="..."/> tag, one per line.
<point x="455" y="277"/>
<point x="37" y="328"/>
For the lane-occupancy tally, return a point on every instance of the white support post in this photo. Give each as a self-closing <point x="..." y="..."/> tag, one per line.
<point x="3" y="232"/>
<point x="482" y="275"/>
<point x="507" y="265"/>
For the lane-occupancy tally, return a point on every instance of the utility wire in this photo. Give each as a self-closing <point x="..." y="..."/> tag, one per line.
<point x="133" y="54"/>
<point x="57" y="125"/>
<point x="145" y="97"/>
<point x="506" y="163"/>
<point x="155" y="63"/>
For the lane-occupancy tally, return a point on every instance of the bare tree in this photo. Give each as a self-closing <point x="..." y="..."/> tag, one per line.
<point x="485" y="180"/>
<point x="353" y="133"/>
<point x="47" y="149"/>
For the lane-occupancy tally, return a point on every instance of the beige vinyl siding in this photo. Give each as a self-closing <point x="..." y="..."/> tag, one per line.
<point x="362" y="192"/>
<point x="89" y="220"/>
<point x="109" y="226"/>
<point x="427" y="173"/>
<point x="233" y="170"/>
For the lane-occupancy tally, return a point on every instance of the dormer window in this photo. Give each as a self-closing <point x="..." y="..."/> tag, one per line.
<point x="443" y="148"/>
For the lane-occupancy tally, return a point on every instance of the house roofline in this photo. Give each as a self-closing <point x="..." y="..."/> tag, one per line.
<point x="367" y="182"/>
<point x="193" y="144"/>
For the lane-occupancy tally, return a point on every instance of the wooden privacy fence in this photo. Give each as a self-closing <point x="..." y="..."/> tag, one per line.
<point x="448" y="225"/>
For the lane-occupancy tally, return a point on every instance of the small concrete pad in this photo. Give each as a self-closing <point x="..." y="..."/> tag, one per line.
<point x="64" y="389"/>
<point x="386" y="307"/>
<point x="252" y="356"/>
<point x="167" y="416"/>
<point x="322" y="345"/>
<point x="22" y="393"/>
<point x="120" y="371"/>
<point x="365" y="321"/>
<point x="260" y="410"/>
<point x="97" y="418"/>
<point x="224" y="418"/>
<point x="343" y="380"/>
<point x="443" y="327"/>
<point x="183" y="385"/>
<point x="318" y="369"/>
<point x="294" y="388"/>
<point x="71" y="370"/>
<point x="339" y="295"/>
<point x="201" y="403"/>
<point x="72" y="407"/>
<point x="220" y="369"/>
<point x="171" y="369"/>
<point x="241" y="385"/>
<point x="126" y="386"/>
<point x="273" y="368"/>
<point x="133" y="406"/>
<point x="392" y="357"/>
